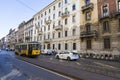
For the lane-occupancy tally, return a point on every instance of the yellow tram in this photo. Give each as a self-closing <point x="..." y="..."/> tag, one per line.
<point x="28" y="49"/>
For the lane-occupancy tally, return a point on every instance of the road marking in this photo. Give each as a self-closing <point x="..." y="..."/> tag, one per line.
<point x="48" y="70"/>
<point x="77" y="63"/>
<point x="105" y="65"/>
<point x="14" y="72"/>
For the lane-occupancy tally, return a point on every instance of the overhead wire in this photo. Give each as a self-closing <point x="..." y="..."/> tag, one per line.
<point x="26" y="5"/>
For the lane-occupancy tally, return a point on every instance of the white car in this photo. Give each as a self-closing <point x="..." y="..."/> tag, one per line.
<point x="47" y="51"/>
<point x="67" y="55"/>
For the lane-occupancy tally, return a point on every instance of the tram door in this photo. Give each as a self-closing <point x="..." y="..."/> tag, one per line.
<point x="30" y="49"/>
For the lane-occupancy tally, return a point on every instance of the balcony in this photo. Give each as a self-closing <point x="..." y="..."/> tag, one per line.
<point x="59" y="27"/>
<point x="88" y="6"/>
<point x="86" y="34"/>
<point x="48" y="22"/>
<point x="40" y="32"/>
<point x="65" y="14"/>
<point x="47" y="40"/>
<point x="101" y="17"/>
<point x="116" y="13"/>
<point x="27" y="37"/>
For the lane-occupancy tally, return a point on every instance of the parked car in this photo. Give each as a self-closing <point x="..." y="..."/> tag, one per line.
<point x="67" y="55"/>
<point x="47" y="51"/>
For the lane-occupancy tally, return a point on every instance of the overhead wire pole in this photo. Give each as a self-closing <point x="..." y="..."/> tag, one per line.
<point x="26" y="5"/>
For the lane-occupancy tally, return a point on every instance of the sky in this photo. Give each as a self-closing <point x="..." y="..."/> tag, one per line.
<point x="13" y="12"/>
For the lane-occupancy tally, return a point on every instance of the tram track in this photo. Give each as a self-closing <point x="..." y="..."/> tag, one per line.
<point x="60" y="73"/>
<point x="89" y="68"/>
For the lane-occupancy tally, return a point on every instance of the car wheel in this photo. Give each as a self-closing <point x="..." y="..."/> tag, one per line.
<point x="68" y="58"/>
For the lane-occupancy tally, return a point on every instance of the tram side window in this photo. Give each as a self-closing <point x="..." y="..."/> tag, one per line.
<point x="24" y="47"/>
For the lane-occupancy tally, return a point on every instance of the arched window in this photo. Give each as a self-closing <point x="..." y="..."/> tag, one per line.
<point x="105" y="10"/>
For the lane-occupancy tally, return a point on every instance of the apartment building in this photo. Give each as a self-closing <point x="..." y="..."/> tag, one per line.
<point x="89" y="28"/>
<point x="21" y="32"/>
<point x="109" y="26"/>
<point x="11" y="38"/>
<point x="28" y="30"/>
<point x="57" y="26"/>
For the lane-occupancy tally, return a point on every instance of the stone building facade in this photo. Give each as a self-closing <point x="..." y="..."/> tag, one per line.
<point x="109" y="26"/>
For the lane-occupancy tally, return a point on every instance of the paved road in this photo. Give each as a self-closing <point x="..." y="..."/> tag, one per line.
<point x="13" y="69"/>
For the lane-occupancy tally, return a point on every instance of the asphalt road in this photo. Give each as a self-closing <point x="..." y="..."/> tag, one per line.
<point x="13" y="69"/>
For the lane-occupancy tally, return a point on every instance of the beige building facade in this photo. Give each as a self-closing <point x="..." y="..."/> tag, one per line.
<point x="89" y="27"/>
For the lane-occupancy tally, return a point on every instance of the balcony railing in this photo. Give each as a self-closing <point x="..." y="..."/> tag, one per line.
<point x="104" y="16"/>
<point x="116" y="13"/>
<point x="40" y="32"/>
<point x="59" y="27"/>
<point x="48" y="22"/>
<point x="65" y="14"/>
<point x="86" y="34"/>
<point x="88" y="6"/>
<point x="27" y="37"/>
<point x="47" y="40"/>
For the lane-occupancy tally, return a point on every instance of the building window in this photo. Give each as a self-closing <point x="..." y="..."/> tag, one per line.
<point x="53" y="35"/>
<point x="48" y="36"/>
<point x="105" y="10"/>
<point x="45" y="13"/>
<point x="66" y="21"/>
<point x="48" y="46"/>
<point x="66" y="1"/>
<point x="66" y="10"/>
<point x="73" y="19"/>
<point x="66" y="46"/>
<point x="88" y="28"/>
<point x="59" y="22"/>
<point x="88" y="44"/>
<point x="74" y="7"/>
<point x="44" y="28"/>
<point x="49" y="10"/>
<point x="118" y="24"/>
<point x="59" y="46"/>
<point x="88" y="15"/>
<point x="53" y="7"/>
<point x="41" y="15"/>
<point x="107" y="43"/>
<point x="59" y="13"/>
<point x="74" y="46"/>
<point x="59" y="34"/>
<point x="53" y="25"/>
<point x="105" y="26"/>
<point x="74" y="32"/>
<point x="48" y="27"/>
<point x="53" y="16"/>
<point x="66" y="33"/>
<point x="118" y="5"/>
<point x="59" y="5"/>
<point x="53" y="46"/>
<point x="87" y="2"/>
